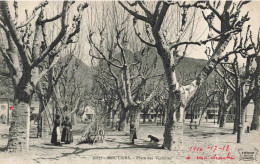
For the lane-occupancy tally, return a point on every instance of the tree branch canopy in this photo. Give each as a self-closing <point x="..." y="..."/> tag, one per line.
<point x="12" y="29"/>
<point x="64" y="25"/>
<point x="41" y="5"/>
<point x="6" y="74"/>
<point x="134" y="13"/>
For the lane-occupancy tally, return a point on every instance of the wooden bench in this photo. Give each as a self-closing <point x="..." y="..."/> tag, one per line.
<point x="193" y="124"/>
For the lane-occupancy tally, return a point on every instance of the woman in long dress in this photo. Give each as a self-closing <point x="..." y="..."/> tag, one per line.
<point x="66" y="131"/>
<point x="56" y="136"/>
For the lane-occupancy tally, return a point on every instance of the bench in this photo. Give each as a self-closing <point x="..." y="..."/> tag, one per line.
<point x="195" y="125"/>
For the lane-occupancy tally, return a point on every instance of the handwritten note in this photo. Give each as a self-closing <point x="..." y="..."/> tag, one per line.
<point x="212" y="149"/>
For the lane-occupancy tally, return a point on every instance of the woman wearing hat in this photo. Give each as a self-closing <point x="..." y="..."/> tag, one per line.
<point x="56" y="136"/>
<point x="66" y="131"/>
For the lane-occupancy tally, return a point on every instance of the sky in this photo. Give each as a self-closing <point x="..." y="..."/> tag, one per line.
<point x="194" y="52"/>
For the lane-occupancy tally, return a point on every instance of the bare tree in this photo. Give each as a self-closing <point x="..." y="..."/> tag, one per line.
<point x="21" y="48"/>
<point x="154" y="16"/>
<point x="239" y="78"/>
<point x="226" y="96"/>
<point x="129" y="70"/>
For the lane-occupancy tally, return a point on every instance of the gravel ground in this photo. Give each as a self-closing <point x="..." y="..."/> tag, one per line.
<point x="203" y="142"/>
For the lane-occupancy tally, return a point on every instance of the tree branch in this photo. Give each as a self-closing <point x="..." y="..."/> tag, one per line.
<point x="228" y="82"/>
<point x="64" y="25"/>
<point x="141" y="39"/>
<point x="147" y="12"/>
<point x="100" y="52"/>
<point x="133" y="13"/>
<point x="150" y="97"/>
<point x="6" y="74"/>
<point x="175" y="45"/>
<point x="51" y="19"/>
<point x="10" y="24"/>
<point x="41" y="5"/>
<point x="161" y="16"/>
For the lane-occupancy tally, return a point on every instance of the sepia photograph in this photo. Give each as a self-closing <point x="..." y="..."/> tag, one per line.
<point x="129" y="81"/>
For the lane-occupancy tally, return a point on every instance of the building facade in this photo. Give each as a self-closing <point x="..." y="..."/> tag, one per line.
<point x="5" y="112"/>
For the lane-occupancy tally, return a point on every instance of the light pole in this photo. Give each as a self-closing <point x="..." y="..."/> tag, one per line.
<point x="238" y="104"/>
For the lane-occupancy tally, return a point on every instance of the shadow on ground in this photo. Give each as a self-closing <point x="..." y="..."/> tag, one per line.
<point x="80" y="150"/>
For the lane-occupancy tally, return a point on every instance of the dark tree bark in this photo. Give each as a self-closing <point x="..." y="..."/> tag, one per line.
<point x="19" y="130"/>
<point x="223" y="116"/>
<point x="23" y="59"/>
<point x="255" y="121"/>
<point x="122" y="120"/>
<point x="256" y="99"/>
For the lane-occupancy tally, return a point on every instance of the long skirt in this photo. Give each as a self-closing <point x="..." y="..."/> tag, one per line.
<point x="66" y="136"/>
<point x="56" y="136"/>
<point x="133" y="135"/>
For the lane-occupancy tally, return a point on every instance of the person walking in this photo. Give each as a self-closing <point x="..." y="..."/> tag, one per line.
<point x="67" y="131"/>
<point x="133" y="135"/>
<point x="56" y="136"/>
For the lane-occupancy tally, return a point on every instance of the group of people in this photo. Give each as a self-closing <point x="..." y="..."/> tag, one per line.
<point x="65" y="136"/>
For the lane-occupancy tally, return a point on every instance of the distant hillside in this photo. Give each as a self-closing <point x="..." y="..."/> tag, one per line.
<point x="187" y="67"/>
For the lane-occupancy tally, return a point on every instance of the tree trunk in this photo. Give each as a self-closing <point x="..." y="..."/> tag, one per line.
<point x="45" y="125"/>
<point x="235" y="127"/>
<point x="202" y="115"/>
<point x="220" y="112"/>
<point x="162" y="117"/>
<point x="173" y="133"/>
<point x="74" y="118"/>
<point x="144" y="116"/>
<point x="39" y="120"/>
<point x="223" y="119"/>
<point x="244" y="103"/>
<point x="135" y="117"/>
<point x="243" y="120"/>
<point x="156" y="116"/>
<point x="223" y="116"/>
<point x="122" y="121"/>
<point x="109" y="118"/>
<point x="19" y="130"/>
<point x="192" y="115"/>
<point x="114" y="119"/>
<point x="255" y="121"/>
